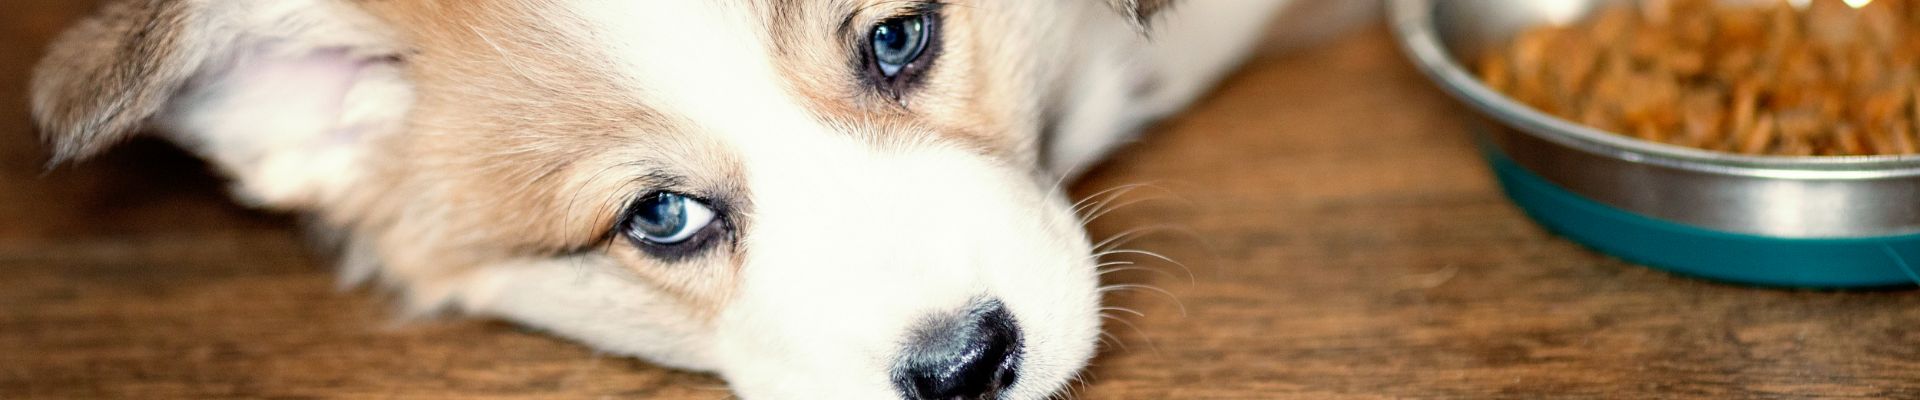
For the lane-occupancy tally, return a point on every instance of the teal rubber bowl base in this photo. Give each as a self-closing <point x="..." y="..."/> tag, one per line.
<point x="1817" y="263"/>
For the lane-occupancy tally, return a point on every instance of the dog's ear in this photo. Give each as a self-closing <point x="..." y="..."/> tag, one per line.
<point x="1141" y="12"/>
<point x="283" y="95"/>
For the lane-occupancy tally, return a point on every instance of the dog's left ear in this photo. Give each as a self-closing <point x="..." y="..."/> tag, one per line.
<point x="283" y="95"/>
<point x="1141" y="12"/>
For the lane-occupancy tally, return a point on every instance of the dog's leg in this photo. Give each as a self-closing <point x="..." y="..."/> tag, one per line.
<point x="1122" y="89"/>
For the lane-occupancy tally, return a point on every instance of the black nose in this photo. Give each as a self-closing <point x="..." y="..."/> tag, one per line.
<point x="973" y="355"/>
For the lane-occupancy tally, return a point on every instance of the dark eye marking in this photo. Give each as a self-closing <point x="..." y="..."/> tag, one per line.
<point x="672" y="226"/>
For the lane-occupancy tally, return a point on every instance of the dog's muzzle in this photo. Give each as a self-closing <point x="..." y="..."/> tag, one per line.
<point x="969" y="356"/>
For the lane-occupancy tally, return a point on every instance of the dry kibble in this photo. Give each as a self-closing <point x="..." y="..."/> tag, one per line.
<point x="1745" y="105"/>
<point x="1826" y="77"/>
<point x="1702" y="118"/>
<point x="1903" y="142"/>
<point x="1880" y="141"/>
<point x="1849" y="140"/>
<point x="1760" y="137"/>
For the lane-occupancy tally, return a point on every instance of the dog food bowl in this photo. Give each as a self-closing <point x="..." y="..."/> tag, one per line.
<point x="1805" y="222"/>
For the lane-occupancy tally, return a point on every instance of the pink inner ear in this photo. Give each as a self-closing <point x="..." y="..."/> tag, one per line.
<point x="270" y="98"/>
<point x="276" y="88"/>
<point x="286" y="121"/>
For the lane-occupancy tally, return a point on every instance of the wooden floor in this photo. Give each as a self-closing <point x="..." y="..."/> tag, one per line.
<point x="1345" y="242"/>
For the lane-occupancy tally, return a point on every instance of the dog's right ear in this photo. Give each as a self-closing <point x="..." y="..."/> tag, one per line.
<point x="283" y="95"/>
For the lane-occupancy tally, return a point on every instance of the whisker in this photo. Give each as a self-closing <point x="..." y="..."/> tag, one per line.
<point x="1095" y="215"/>
<point x="1107" y="195"/>
<point x="1124" y="287"/>
<point x="1093" y="211"/>
<point x="1124" y="310"/>
<point x="1073" y="388"/>
<point x="1085" y="378"/>
<point x="1191" y="278"/>
<point x="1121" y="266"/>
<point x="1053" y="191"/>
<point x="1104" y="336"/>
<point x="1128" y="236"/>
<point x="1106" y="191"/>
<point x="1166" y="193"/>
<point x="1074" y="385"/>
<point x="1135" y="268"/>
<point x="1136" y="329"/>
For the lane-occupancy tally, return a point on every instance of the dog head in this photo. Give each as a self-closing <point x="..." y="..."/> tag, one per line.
<point x="816" y="199"/>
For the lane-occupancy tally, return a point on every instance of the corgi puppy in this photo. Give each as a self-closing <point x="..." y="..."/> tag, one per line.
<point x="844" y="199"/>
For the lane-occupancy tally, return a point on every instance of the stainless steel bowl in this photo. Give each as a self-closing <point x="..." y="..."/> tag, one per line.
<point x="1781" y="197"/>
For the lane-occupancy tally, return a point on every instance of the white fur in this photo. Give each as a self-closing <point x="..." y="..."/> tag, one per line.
<point x="594" y="301"/>
<point x="854" y="242"/>
<point x="844" y="277"/>
<point x="834" y="283"/>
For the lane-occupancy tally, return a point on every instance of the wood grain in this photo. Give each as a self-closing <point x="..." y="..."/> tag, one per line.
<point x="1344" y="242"/>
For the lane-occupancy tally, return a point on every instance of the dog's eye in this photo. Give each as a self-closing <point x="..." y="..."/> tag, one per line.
<point x="896" y="44"/>
<point x="668" y="219"/>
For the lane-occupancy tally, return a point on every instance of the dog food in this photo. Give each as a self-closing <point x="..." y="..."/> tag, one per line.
<point x="1787" y="78"/>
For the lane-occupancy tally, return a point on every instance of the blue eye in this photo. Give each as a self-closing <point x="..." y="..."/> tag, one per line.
<point x="898" y="42"/>
<point x="668" y="219"/>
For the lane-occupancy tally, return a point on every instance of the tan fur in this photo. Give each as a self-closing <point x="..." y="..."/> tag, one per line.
<point x="104" y="78"/>
<point x="952" y="103"/>
<point x="520" y="147"/>
<point x="517" y="147"/>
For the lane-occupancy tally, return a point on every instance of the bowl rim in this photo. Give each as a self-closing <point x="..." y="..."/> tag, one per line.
<point x="1414" y="28"/>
